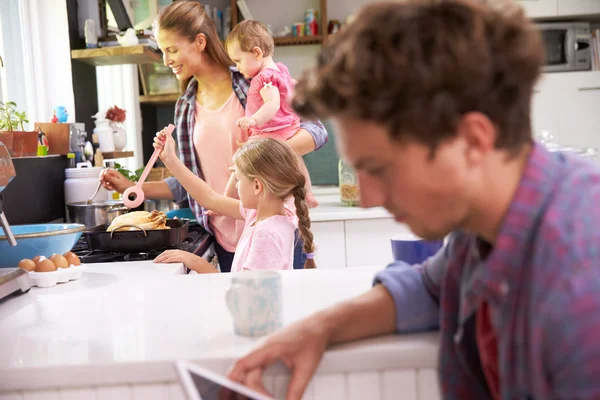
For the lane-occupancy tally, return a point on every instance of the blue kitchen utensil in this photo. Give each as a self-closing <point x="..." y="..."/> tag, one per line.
<point x="38" y="240"/>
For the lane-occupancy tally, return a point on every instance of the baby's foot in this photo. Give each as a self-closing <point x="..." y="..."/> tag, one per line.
<point x="311" y="201"/>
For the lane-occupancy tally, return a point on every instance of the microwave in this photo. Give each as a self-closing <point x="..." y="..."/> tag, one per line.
<point x="567" y="46"/>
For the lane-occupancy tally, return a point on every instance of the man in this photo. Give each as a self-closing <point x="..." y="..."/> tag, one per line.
<point x="431" y="100"/>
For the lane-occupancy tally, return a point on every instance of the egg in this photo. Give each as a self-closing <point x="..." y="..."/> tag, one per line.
<point x="27" y="264"/>
<point x="37" y="259"/>
<point x="72" y="258"/>
<point x="59" y="261"/>
<point x="45" y="266"/>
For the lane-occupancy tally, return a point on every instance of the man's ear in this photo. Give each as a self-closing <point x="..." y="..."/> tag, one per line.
<point x="257" y="53"/>
<point x="479" y="133"/>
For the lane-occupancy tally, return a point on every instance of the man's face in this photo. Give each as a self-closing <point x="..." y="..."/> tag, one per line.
<point x="429" y="194"/>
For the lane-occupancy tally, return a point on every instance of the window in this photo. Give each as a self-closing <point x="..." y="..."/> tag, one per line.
<point x="11" y="44"/>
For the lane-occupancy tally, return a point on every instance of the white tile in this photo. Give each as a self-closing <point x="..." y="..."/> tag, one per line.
<point x="428" y="385"/>
<point x="363" y="385"/>
<point x="399" y="384"/>
<point x="329" y="387"/>
<point x="88" y="393"/>
<point x="114" y="393"/>
<point x="176" y="392"/>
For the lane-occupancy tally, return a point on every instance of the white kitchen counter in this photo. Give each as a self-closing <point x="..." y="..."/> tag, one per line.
<point x="331" y="207"/>
<point x="125" y="324"/>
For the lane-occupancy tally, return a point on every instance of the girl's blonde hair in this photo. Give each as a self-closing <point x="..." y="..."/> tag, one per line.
<point x="276" y="165"/>
<point x="187" y="18"/>
<point x="250" y="34"/>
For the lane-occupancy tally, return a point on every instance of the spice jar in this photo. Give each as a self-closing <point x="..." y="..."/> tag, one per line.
<point x="349" y="191"/>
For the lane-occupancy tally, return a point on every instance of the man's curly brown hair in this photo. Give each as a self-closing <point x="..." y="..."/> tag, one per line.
<point x="416" y="67"/>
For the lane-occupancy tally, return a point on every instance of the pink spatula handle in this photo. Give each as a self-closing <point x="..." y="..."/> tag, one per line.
<point x="137" y="188"/>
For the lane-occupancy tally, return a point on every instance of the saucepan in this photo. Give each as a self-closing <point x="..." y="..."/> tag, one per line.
<point x="96" y="213"/>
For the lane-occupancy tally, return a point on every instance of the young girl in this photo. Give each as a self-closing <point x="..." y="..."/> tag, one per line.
<point x="268" y="111"/>
<point x="267" y="173"/>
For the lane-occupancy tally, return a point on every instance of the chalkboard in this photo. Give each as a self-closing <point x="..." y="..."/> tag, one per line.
<point x="323" y="164"/>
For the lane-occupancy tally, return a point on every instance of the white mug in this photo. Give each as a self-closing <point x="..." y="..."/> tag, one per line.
<point x="255" y="302"/>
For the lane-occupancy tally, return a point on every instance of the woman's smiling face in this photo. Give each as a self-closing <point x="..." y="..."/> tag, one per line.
<point x="179" y="54"/>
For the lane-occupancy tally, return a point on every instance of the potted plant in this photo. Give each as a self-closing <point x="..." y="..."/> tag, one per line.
<point x="20" y="143"/>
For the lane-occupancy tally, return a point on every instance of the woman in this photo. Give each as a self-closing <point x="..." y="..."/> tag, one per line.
<point x="205" y="115"/>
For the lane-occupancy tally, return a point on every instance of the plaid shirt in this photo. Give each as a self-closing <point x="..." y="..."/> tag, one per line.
<point x="184" y="121"/>
<point x="541" y="281"/>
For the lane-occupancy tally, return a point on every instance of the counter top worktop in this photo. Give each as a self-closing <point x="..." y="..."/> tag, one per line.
<point x="122" y="321"/>
<point x="331" y="207"/>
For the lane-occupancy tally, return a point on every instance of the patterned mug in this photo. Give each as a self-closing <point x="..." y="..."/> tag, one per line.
<point x="255" y="302"/>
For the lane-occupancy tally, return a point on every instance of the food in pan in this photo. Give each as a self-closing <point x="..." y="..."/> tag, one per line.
<point x="142" y="219"/>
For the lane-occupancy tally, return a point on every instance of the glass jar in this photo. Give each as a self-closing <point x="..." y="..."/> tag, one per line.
<point x="349" y="191"/>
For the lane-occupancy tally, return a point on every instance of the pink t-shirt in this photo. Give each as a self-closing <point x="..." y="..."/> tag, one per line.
<point x="285" y="123"/>
<point x="266" y="245"/>
<point x="216" y="138"/>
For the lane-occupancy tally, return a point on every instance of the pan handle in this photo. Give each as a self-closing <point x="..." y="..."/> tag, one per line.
<point x="131" y="226"/>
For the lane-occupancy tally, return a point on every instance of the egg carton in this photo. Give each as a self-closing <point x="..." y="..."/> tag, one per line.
<point x="61" y="275"/>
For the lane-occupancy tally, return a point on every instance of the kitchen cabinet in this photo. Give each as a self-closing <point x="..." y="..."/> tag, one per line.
<point x="330" y="244"/>
<point x="368" y="241"/>
<point x="578" y="7"/>
<point x="566" y="105"/>
<point x="579" y="116"/>
<point x="540" y="8"/>
<point x="545" y="107"/>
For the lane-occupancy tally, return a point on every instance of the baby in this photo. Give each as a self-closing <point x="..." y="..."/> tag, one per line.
<point x="268" y="110"/>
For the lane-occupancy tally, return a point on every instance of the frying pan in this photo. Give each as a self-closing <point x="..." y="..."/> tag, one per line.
<point x="139" y="240"/>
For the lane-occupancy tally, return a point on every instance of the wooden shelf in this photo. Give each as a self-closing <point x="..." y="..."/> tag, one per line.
<point x="163" y="99"/>
<point x="298" y="40"/>
<point x="139" y="54"/>
<point x="111" y="155"/>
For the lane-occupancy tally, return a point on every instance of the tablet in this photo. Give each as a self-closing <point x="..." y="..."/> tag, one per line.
<point x="201" y="384"/>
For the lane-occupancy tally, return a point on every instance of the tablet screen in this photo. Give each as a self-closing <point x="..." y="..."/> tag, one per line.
<point x="211" y="390"/>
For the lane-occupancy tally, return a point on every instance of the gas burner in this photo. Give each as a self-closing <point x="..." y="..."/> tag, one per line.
<point x="197" y="241"/>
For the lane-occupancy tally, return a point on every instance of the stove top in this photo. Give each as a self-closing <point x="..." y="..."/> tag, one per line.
<point x="197" y="241"/>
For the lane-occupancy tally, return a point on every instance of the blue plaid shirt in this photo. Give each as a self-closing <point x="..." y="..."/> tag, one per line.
<point x="541" y="282"/>
<point x="184" y="121"/>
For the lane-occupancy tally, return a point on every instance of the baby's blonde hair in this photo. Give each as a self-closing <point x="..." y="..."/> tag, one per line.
<point x="250" y="34"/>
<point x="276" y="165"/>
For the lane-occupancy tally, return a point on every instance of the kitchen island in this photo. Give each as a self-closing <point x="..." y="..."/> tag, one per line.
<point x="115" y="333"/>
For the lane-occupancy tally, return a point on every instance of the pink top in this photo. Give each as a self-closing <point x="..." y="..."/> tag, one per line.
<point x="216" y="138"/>
<point x="266" y="245"/>
<point x="285" y="123"/>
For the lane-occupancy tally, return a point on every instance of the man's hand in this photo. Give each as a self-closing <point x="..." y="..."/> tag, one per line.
<point x="300" y="346"/>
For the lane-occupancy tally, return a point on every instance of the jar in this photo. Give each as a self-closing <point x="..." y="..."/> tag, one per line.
<point x="81" y="183"/>
<point x="349" y="191"/>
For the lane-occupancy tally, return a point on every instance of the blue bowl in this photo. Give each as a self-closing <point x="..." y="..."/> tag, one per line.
<point x="38" y="240"/>
<point x="412" y="249"/>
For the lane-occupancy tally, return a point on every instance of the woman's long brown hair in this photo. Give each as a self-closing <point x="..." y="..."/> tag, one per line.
<point x="276" y="165"/>
<point x="187" y="18"/>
